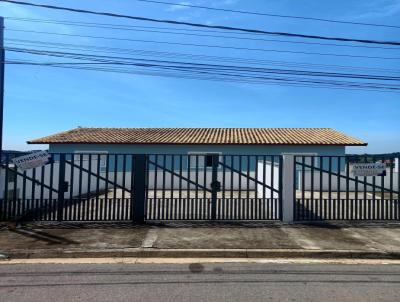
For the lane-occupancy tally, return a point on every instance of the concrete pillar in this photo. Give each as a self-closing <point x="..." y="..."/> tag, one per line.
<point x="138" y="193"/>
<point x="288" y="179"/>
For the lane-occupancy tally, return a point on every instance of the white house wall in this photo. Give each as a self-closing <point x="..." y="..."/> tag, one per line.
<point x="267" y="173"/>
<point x="185" y="149"/>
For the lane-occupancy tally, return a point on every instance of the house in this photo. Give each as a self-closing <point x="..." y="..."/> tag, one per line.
<point x="199" y="145"/>
<point x="243" y="160"/>
<point x="276" y="141"/>
<point x="191" y="150"/>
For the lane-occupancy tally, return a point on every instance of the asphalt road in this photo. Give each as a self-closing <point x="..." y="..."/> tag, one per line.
<point x="199" y="282"/>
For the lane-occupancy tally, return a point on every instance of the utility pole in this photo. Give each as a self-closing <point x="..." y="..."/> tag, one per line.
<point x="2" y="64"/>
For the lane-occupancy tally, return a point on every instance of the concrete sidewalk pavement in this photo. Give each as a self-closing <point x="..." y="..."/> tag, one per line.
<point x="381" y="241"/>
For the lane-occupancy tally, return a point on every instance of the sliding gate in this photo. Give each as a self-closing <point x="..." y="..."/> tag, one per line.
<point x="71" y="187"/>
<point x="326" y="188"/>
<point x="134" y="187"/>
<point x="161" y="187"/>
<point x="213" y="187"/>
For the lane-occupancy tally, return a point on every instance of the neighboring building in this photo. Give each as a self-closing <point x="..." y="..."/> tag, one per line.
<point x="313" y="141"/>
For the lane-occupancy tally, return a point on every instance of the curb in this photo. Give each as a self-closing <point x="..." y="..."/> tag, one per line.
<point x="202" y="253"/>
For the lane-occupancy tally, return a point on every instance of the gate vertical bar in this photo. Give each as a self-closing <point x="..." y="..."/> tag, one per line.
<point x="206" y="206"/>
<point x="272" y="192"/>
<point x="392" y="216"/>
<point x="346" y="215"/>
<point x="214" y="186"/>
<point x="124" y="203"/>
<point x="186" y="204"/>
<point x="99" y="210"/>
<point x="89" y="179"/>
<point x="180" y="187"/>
<point x="5" y="198"/>
<point x="312" y="207"/>
<point x="71" y="188"/>
<point x="61" y="187"/>
<point x="398" y="186"/>
<point x="280" y="186"/>
<point x="172" y="209"/>
<point x="255" y="189"/>
<point x="80" y="214"/>
<point x="24" y="195"/>
<point x="156" y="205"/>
<point x="384" y="213"/>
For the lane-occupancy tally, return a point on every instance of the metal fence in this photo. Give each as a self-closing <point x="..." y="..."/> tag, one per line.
<point x="325" y="189"/>
<point x="161" y="187"/>
<point x="214" y="187"/>
<point x="71" y="187"/>
<point x="132" y="187"/>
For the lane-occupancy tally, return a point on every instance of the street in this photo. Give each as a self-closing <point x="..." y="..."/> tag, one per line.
<point x="199" y="282"/>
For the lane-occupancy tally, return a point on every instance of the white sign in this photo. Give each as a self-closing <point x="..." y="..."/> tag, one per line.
<point x="32" y="160"/>
<point x="368" y="169"/>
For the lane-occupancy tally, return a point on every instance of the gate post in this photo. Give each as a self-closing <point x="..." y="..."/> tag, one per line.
<point x="62" y="187"/>
<point x="139" y="188"/>
<point x="288" y="179"/>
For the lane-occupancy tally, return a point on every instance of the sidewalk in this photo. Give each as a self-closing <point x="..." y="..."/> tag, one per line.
<point x="203" y="240"/>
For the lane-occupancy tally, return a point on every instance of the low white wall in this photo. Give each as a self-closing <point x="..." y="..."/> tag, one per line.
<point x="269" y="177"/>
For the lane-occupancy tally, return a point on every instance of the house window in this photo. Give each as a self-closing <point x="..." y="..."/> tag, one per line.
<point x="201" y="159"/>
<point x="209" y="160"/>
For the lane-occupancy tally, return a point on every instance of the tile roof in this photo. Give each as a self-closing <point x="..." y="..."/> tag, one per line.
<point x="208" y="136"/>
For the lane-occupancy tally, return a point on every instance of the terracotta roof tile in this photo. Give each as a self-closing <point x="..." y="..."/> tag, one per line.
<point x="239" y="136"/>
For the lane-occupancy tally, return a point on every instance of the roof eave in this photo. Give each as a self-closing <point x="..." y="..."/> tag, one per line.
<point x="217" y="144"/>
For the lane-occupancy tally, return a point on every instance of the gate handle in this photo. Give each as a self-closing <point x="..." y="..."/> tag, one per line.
<point x="216" y="185"/>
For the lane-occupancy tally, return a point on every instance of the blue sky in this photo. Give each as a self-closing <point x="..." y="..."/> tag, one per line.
<point x="42" y="100"/>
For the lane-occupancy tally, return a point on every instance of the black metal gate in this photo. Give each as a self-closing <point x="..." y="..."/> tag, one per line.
<point x="325" y="189"/>
<point x="134" y="187"/>
<point x="207" y="186"/>
<point x="213" y="187"/>
<point x="71" y="187"/>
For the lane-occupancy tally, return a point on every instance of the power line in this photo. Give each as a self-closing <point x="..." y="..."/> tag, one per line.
<point x="195" y="78"/>
<point x="197" y="57"/>
<point x="208" y="45"/>
<point x="162" y="30"/>
<point x="234" y="78"/>
<point x="278" y="81"/>
<point x="235" y="71"/>
<point x="121" y="26"/>
<point x="269" y="14"/>
<point x="205" y="25"/>
<point x="117" y="60"/>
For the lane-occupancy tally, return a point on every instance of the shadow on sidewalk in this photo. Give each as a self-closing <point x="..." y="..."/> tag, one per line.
<point x="43" y="236"/>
